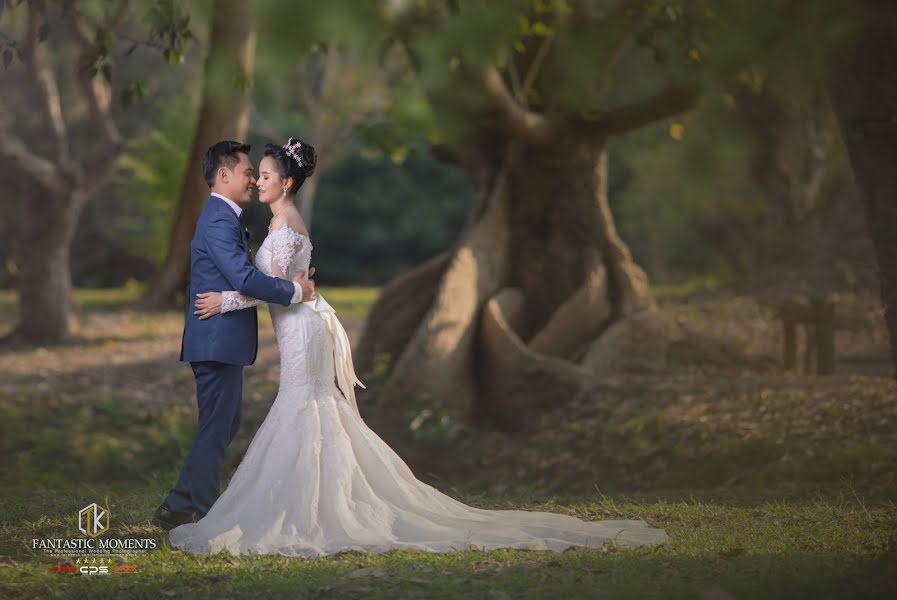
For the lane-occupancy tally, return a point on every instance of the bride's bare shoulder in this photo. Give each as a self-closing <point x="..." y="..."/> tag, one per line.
<point x="292" y="219"/>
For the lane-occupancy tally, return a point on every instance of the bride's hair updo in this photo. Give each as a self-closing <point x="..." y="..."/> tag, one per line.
<point x="294" y="159"/>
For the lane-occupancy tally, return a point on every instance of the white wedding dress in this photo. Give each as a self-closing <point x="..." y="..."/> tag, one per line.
<point x="316" y="480"/>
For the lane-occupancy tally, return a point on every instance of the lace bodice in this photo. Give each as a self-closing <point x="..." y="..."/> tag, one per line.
<point x="284" y="253"/>
<point x="314" y="347"/>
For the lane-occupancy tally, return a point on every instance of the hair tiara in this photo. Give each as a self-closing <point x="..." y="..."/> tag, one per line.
<point x="292" y="149"/>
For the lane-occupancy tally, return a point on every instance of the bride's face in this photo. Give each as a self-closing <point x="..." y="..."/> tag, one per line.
<point x="270" y="184"/>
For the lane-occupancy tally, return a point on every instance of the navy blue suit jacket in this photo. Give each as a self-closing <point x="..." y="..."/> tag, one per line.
<point x="220" y="260"/>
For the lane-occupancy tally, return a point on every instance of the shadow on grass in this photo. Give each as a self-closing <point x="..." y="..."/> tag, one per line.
<point x="579" y="573"/>
<point x="51" y="444"/>
<point x="836" y="548"/>
<point x="85" y="300"/>
<point x="105" y="438"/>
<point x="138" y="371"/>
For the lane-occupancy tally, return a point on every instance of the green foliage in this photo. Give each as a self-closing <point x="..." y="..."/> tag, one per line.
<point x="374" y="219"/>
<point x="132" y="92"/>
<point x="290" y="28"/>
<point x="436" y="426"/>
<point x="169" y="25"/>
<point x="380" y="371"/>
<point x="151" y="177"/>
<point x="725" y="189"/>
<point x="52" y="442"/>
<point x="690" y="203"/>
<point x="167" y="29"/>
<point x="353" y="302"/>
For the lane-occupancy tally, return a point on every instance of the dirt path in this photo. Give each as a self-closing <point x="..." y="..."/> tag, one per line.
<point x="131" y="356"/>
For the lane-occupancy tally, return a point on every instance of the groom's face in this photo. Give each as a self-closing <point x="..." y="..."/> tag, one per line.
<point x="240" y="181"/>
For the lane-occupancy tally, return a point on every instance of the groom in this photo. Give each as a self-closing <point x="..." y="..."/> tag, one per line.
<point x="218" y="349"/>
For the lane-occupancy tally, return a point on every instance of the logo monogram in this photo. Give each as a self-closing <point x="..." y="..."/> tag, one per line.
<point x="93" y="520"/>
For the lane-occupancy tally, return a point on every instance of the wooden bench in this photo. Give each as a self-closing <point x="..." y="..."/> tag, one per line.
<point x="816" y="317"/>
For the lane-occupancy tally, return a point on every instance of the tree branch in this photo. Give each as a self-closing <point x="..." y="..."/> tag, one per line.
<point x="119" y="14"/>
<point x="619" y="26"/>
<point x="671" y="100"/>
<point x="99" y="175"/>
<point x="95" y="89"/>
<point x="528" y="126"/>
<point x="259" y="124"/>
<point x="534" y="68"/>
<point x="44" y="82"/>
<point x="14" y="153"/>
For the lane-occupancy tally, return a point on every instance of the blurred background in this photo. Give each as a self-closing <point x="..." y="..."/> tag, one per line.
<point x="635" y="247"/>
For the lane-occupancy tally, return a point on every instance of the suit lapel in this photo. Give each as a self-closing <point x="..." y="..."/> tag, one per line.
<point x="244" y="232"/>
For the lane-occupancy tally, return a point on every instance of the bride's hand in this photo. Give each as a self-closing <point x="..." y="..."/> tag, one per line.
<point x="208" y="305"/>
<point x="307" y="284"/>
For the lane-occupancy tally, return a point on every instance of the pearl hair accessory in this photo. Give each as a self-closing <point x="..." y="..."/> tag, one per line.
<point x="292" y="149"/>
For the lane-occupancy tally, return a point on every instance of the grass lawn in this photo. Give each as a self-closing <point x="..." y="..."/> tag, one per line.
<point x="768" y="487"/>
<point x="349" y="301"/>
<point x="835" y="547"/>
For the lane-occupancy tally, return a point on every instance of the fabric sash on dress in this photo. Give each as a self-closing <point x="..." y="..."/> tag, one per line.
<point x="346" y="379"/>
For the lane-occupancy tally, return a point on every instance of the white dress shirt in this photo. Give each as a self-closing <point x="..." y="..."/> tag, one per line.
<point x="297" y="294"/>
<point x="236" y="207"/>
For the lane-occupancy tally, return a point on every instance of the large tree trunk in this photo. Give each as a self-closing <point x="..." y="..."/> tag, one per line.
<point x="224" y="115"/>
<point x="527" y="291"/>
<point x="44" y="282"/>
<point x="539" y="272"/>
<point x="864" y="94"/>
<point x="398" y="311"/>
<point x="307" y="198"/>
<point x="51" y="190"/>
<point x="436" y="367"/>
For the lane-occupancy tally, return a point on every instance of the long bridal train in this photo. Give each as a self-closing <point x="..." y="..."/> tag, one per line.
<point x="316" y="480"/>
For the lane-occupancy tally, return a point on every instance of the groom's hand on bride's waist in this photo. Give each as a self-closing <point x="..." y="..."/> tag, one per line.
<point x="307" y="284"/>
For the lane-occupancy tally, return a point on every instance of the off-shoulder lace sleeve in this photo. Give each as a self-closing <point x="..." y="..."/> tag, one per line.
<point x="285" y="244"/>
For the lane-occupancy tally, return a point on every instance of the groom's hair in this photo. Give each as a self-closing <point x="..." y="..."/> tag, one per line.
<point x="223" y="153"/>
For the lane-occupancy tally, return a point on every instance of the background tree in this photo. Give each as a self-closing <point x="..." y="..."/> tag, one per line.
<point x="540" y="295"/>
<point x="340" y="91"/>
<point x="334" y="92"/>
<point x="512" y="319"/>
<point x="864" y="93"/>
<point x="754" y="183"/>
<point x="223" y="114"/>
<point x="62" y="176"/>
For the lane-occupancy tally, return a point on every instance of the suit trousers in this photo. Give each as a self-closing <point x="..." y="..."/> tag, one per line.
<point x="219" y="399"/>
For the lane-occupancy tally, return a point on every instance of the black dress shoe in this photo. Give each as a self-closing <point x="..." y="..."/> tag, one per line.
<point x="168" y="519"/>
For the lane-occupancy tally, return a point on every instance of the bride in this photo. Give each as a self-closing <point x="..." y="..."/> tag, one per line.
<point x="315" y="479"/>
